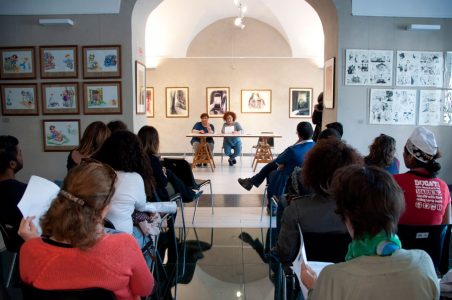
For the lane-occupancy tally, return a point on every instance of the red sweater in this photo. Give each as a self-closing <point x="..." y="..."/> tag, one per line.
<point x="114" y="263"/>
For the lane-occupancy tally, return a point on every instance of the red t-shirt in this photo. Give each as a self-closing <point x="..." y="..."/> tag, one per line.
<point x="426" y="199"/>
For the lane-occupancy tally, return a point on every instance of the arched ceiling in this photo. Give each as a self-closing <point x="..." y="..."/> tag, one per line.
<point x="174" y="24"/>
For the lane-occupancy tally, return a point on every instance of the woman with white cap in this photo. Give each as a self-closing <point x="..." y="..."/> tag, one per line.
<point x="427" y="197"/>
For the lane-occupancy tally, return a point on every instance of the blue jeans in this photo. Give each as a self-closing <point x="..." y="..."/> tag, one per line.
<point x="237" y="147"/>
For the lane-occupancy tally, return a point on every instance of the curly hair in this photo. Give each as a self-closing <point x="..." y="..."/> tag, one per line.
<point x="381" y="152"/>
<point x="93" y="137"/>
<point x="230" y="113"/>
<point x="369" y="198"/>
<point x="149" y="138"/>
<point x="323" y="160"/>
<point x="77" y="223"/>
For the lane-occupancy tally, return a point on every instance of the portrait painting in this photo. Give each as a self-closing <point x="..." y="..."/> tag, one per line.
<point x="61" y="135"/>
<point x="177" y="102"/>
<point x="102" y="98"/>
<point x="217" y="100"/>
<point x="256" y="101"/>
<point x="60" y="98"/>
<point x="300" y="102"/>
<point x="149" y="102"/>
<point x="17" y="63"/>
<point x="58" y="61"/>
<point x="19" y="99"/>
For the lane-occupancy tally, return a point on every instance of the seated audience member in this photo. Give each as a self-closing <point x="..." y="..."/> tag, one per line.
<point x="149" y="137"/>
<point x="370" y="202"/>
<point x="203" y="127"/>
<point x="117" y="125"/>
<point x="231" y="143"/>
<point x="11" y="189"/>
<point x="284" y="164"/>
<point x="93" y="138"/>
<point x="337" y="126"/>
<point x="427" y="198"/>
<point x="382" y="154"/>
<point x="315" y="212"/>
<point x="74" y="252"/>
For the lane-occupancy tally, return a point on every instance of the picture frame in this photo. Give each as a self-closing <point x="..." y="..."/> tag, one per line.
<point x="149" y="102"/>
<point x="140" y="88"/>
<point x="328" y="83"/>
<point x="60" y="98"/>
<point x="300" y="102"/>
<point x="177" y="102"/>
<point x="217" y="101"/>
<point x="256" y="101"/>
<point x="17" y="63"/>
<point x="60" y="135"/>
<point x="58" y="61"/>
<point x="19" y="99"/>
<point x="101" y="98"/>
<point x="102" y="61"/>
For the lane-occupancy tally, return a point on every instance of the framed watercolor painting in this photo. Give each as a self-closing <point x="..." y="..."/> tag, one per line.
<point x="19" y="99"/>
<point x="149" y="102"/>
<point x="328" y="83"/>
<point x="177" y="102"/>
<point x="140" y="88"/>
<point x="17" y="63"/>
<point x="60" y="98"/>
<point x="102" y="98"/>
<point x="60" y="135"/>
<point x="217" y="101"/>
<point x="256" y="101"/>
<point x="300" y="102"/>
<point x="102" y="61"/>
<point x="58" y="61"/>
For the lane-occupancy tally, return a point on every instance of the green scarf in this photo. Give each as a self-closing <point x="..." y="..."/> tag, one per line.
<point x="379" y="244"/>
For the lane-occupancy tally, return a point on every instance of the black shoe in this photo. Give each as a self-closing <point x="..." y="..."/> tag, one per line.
<point x="230" y="162"/>
<point x="234" y="161"/>
<point x="245" y="183"/>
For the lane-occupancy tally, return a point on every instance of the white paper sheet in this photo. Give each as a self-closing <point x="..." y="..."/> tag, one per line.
<point x="37" y="198"/>
<point x="229" y="129"/>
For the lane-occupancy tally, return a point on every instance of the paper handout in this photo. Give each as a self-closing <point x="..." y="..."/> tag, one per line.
<point x="229" y="129"/>
<point x="37" y="198"/>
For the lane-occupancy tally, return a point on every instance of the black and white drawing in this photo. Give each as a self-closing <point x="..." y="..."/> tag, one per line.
<point x="447" y="108"/>
<point x="392" y="106"/>
<point x="430" y="107"/>
<point x="417" y="68"/>
<point x="448" y="71"/>
<point x="368" y="67"/>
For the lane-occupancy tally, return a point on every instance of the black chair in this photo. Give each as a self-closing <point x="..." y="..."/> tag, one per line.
<point x="32" y="293"/>
<point x="326" y="246"/>
<point x="12" y="242"/>
<point x="433" y="239"/>
<point x="182" y="169"/>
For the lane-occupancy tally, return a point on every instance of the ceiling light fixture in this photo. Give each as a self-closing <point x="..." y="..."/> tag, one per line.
<point x="242" y="9"/>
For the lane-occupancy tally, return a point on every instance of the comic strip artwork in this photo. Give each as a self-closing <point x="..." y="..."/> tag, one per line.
<point x="368" y="67"/>
<point x="416" y="68"/>
<point x="102" y="61"/>
<point x="430" y="107"/>
<point x="448" y="71"/>
<point x="17" y="63"/>
<point x="447" y="108"/>
<point x="392" y="106"/>
<point x="58" y="61"/>
<point x="61" y="135"/>
<point x="19" y="99"/>
<point x="102" y="98"/>
<point x="60" y="98"/>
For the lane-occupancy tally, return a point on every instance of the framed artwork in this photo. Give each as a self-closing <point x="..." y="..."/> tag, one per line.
<point x="60" y="98"/>
<point x="448" y="71"/>
<point x="140" y="88"/>
<point x="58" y="61"/>
<point x="217" y="101"/>
<point x="177" y="102"/>
<point x="17" y="63"/>
<point x="60" y="135"/>
<point x="392" y="106"/>
<point x="256" y="101"/>
<point x="368" y="67"/>
<point x="19" y="99"/>
<point x="149" y="102"/>
<point x="419" y="68"/>
<point x="328" y="83"/>
<point x="102" y="61"/>
<point x="300" y="102"/>
<point x="102" y="98"/>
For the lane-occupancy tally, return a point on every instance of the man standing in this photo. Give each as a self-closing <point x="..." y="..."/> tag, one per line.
<point x="11" y="190"/>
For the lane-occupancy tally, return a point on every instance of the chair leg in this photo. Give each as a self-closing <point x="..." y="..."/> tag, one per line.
<point x="211" y="196"/>
<point x="11" y="270"/>
<point x="194" y="213"/>
<point x="263" y="202"/>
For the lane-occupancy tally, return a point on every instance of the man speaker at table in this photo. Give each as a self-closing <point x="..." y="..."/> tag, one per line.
<point x="278" y="171"/>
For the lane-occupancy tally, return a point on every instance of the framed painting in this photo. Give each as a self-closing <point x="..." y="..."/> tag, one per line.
<point x="17" y="63"/>
<point x="177" y="102"/>
<point x="328" y="83"/>
<point x="102" y="61"/>
<point x="140" y="88"/>
<point x="256" y="101"/>
<point x="149" y="102"/>
<point x="60" y="98"/>
<point x="19" y="99"/>
<point x="217" y="101"/>
<point x="58" y="61"/>
<point x="60" y="135"/>
<point x="300" y="102"/>
<point x="102" y="98"/>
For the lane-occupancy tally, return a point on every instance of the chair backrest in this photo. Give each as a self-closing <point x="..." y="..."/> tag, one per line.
<point x="433" y="239"/>
<point x="182" y="169"/>
<point x="32" y="293"/>
<point x="10" y="237"/>
<point x="329" y="247"/>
